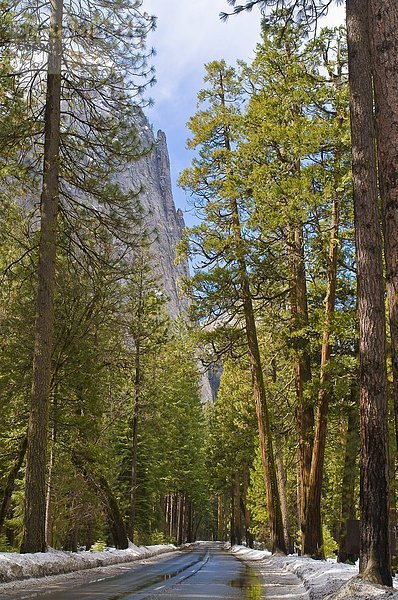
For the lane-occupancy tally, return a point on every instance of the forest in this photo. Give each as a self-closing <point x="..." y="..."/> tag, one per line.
<point x="292" y="300"/>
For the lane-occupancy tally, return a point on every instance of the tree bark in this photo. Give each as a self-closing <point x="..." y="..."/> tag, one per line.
<point x="220" y="518"/>
<point x="189" y="521"/>
<point x="51" y="463"/>
<point x="258" y="383"/>
<point x="236" y="527"/>
<point x="384" y="26"/>
<point x="263" y="421"/>
<point x="245" y="487"/>
<point x="375" y="552"/>
<point x="35" y="488"/>
<point x="282" y="493"/>
<point x="349" y="476"/>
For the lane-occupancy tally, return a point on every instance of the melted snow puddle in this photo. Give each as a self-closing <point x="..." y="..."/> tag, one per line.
<point x="250" y="584"/>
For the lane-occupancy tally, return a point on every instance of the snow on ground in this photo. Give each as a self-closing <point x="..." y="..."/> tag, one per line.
<point x="324" y="580"/>
<point x="319" y="580"/>
<point x="15" y="566"/>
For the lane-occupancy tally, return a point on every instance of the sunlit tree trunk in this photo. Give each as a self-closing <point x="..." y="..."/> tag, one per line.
<point x="312" y="538"/>
<point x="258" y="383"/>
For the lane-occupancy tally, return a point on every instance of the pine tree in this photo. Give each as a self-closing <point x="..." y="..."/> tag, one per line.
<point x="375" y="555"/>
<point x="85" y="110"/>
<point x="213" y="178"/>
<point x="374" y="563"/>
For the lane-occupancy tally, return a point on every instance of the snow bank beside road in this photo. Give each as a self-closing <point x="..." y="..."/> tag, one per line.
<point x="324" y="580"/>
<point x="15" y="566"/>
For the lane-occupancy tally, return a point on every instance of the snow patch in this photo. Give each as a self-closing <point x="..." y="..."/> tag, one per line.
<point x="15" y="566"/>
<point x="324" y="580"/>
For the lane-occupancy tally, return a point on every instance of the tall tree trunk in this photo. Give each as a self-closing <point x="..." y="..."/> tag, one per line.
<point x="48" y="526"/>
<point x="232" y="538"/>
<point x="173" y="522"/>
<point x="245" y="487"/>
<point x="384" y="27"/>
<point x="282" y="492"/>
<point x="349" y="476"/>
<point x="34" y="539"/>
<point x="258" y="383"/>
<point x="280" y="472"/>
<point x="220" y="518"/>
<point x="181" y="519"/>
<point x="236" y="513"/>
<point x="189" y="521"/>
<point x="134" y="438"/>
<point x="302" y="368"/>
<point x="259" y="391"/>
<point x="312" y="538"/>
<point x="263" y="421"/>
<point x="375" y="552"/>
<point x="10" y="484"/>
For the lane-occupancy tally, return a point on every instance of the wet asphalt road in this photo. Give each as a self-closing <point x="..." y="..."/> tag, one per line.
<point x="204" y="573"/>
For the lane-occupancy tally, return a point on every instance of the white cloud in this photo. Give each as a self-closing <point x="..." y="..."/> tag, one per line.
<point x="190" y="34"/>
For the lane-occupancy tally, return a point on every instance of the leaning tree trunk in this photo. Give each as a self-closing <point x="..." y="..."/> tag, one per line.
<point x="35" y="487"/>
<point x="302" y="368"/>
<point x="384" y="21"/>
<point x="258" y="383"/>
<point x="109" y="501"/>
<point x="313" y="538"/>
<point x="263" y="419"/>
<point x="374" y="547"/>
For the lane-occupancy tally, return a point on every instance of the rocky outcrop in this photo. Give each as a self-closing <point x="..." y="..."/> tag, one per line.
<point x="163" y="222"/>
<point x="165" y="225"/>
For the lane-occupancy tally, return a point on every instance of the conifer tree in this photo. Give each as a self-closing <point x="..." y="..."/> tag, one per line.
<point x="374" y="564"/>
<point x="85" y="110"/>
<point x="213" y="178"/>
<point x="299" y="160"/>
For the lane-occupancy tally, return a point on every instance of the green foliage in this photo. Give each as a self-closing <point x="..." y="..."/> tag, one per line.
<point x="231" y="427"/>
<point x="98" y="546"/>
<point x="256" y="501"/>
<point x="329" y="544"/>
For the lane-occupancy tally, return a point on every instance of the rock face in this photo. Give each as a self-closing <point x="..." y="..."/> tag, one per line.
<point x="152" y="172"/>
<point x="162" y="220"/>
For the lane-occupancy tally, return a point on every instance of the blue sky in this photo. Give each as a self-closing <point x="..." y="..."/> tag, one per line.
<point x="190" y="34"/>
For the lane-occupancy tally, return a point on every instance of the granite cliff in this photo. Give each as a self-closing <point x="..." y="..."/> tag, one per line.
<point x="152" y="172"/>
<point x="161" y="217"/>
